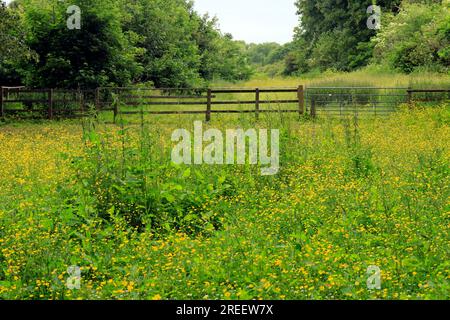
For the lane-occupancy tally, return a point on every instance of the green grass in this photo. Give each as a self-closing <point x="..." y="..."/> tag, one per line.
<point x="351" y="193"/>
<point x="370" y="77"/>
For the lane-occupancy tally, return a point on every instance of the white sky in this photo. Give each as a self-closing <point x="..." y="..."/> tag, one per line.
<point x="252" y="20"/>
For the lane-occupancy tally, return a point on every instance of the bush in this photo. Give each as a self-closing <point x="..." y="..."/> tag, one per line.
<point x="415" y="38"/>
<point x="123" y="180"/>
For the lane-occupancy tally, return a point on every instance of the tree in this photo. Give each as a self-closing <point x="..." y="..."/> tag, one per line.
<point x="11" y="35"/>
<point x="337" y="32"/>
<point x="166" y="28"/>
<point x="262" y="54"/>
<point x="418" y="37"/>
<point x="120" y="42"/>
<point x="183" y="49"/>
<point x="99" y="54"/>
<point x="13" y="47"/>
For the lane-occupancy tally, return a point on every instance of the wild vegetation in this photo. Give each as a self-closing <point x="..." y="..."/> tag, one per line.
<point x="352" y="191"/>
<point x="168" y="44"/>
<point x="413" y="37"/>
<point x="163" y="43"/>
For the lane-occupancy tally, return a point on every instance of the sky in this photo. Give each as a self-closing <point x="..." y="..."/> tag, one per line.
<point x="254" y="21"/>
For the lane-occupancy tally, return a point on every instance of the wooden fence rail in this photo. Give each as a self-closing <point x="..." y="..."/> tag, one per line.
<point x="52" y="103"/>
<point x="121" y="98"/>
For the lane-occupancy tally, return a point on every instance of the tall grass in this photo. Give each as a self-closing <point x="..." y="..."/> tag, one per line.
<point x="369" y="77"/>
<point x="352" y="192"/>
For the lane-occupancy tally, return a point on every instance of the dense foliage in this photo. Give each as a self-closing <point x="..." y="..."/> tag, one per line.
<point x="334" y="35"/>
<point x="13" y="47"/>
<point x="419" y="36"/>
<point x="351" y="193"/>
<point x="166" y="43"/>
<point x="120" y="42"/>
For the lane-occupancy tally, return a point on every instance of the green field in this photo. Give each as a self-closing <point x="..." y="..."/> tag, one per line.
<point x="352" y="192"/>
<point x="224" y="150"/>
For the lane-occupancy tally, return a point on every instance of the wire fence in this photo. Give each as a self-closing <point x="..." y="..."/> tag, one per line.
<point x="350" y="100"/>
<point x="314" y="101"/>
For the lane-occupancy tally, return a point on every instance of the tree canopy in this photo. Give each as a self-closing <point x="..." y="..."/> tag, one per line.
<point x="334" y="35"/>
<point x="164" y="42"/>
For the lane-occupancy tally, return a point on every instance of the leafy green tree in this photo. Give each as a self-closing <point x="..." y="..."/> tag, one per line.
<point x="221" y="57"/>
<point x="98" y="54"/>
<point x="418" y="37"/>
<point x="227" y="60"/>
<point x="166" y="28"/>
<point x="164" y="42"/>
<point x="269" y="58"/>
<point x="262" y="54"/>
<point x="12" y="35"/>
<point x="13" y="48"/>
<point x="337" y="32"/>
<point x="183" y="49"/>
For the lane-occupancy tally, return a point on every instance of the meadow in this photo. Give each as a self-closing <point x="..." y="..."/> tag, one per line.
<point x="352" y="192"/>
<point x="371" y="76"/>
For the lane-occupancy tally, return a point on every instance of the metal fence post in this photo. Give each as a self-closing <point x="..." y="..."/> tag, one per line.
<point x="2" y="110"/>
<point x="257" y="103"/>
<point x="50" y="104"/>
<point x="116" y="108"/>
<point x="313" y="106"/>
<point x="208" y="105"/>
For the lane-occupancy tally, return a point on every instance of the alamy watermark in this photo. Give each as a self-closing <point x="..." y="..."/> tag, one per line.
<point x="74" y="20"/>
<point x="227" y="148"/>
<point x="374" y="21"/>
<point x="74" y="280"/>
<point x="374" y="278"/>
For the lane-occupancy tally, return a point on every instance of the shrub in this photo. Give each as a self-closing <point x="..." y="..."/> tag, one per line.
<point x="417" y="37"/>
<point x="122" y="179"/>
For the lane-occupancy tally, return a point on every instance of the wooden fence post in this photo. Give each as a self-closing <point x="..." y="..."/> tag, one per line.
<point x="2" y="109"/>
<point x="301" y="100"/>
<point x="50" y="104"/>
<point x="208" y="105"/>
<point x="409" y="96"/>
<point x="257" y="103"/>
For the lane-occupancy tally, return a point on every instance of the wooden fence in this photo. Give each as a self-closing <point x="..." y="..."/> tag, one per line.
<point x="206" y="101"/>
<point x="48" y="103"/>
<point x="56" y="103"/>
